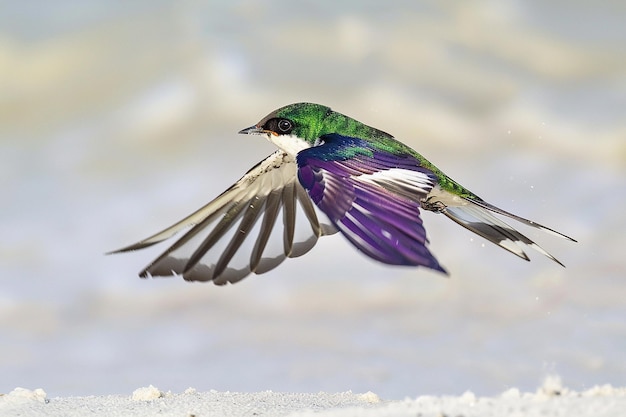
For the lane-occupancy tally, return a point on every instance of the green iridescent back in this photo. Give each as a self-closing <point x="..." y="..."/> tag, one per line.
<point x="315" y="120"/>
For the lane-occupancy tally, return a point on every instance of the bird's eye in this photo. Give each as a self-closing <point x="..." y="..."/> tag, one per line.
<point x="285" y="125"/>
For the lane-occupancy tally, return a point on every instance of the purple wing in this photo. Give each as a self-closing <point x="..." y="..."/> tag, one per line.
<point x="371" y="196"/>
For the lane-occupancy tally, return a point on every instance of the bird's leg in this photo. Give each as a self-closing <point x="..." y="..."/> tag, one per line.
<point x="432" y="205"/>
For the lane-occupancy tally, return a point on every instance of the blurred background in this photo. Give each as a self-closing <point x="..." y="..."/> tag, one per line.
<point x="118" y="118"/>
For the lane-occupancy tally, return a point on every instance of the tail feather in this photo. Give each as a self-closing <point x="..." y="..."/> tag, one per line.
<point x="476" y="215"/>
<point x="491" y="207"/>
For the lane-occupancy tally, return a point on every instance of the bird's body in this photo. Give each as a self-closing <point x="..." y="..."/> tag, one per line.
<point x="369" y="185"/>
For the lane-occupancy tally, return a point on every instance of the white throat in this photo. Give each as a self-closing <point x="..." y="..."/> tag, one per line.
<point x="289" y="143"/>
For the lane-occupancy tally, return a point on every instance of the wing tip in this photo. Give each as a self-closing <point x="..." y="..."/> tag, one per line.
<point x="440" y="269"/>
<point x="129" y="248"/>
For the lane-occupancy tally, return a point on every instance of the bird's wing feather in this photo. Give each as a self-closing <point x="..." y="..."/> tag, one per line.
<point x="252" y="227"/>
<point x="371" y="196"/>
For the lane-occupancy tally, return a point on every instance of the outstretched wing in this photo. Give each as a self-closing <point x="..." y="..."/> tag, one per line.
<point x="371" y="196"/>
<point x="252" y="227"/>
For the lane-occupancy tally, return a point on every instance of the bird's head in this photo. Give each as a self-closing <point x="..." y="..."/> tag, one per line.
<point x="299" y="126"/>
<point x="302" y="122"/>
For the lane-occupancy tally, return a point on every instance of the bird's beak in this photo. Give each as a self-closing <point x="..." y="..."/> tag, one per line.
<point x="252" y="130"/>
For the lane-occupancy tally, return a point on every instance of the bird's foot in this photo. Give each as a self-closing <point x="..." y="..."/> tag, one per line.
<point x="432" y="205"/>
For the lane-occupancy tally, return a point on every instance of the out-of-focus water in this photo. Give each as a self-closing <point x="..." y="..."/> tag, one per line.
<point x="117" y="120"/>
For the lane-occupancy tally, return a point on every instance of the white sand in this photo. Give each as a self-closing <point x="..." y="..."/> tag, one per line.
<point x="549" y="400"/>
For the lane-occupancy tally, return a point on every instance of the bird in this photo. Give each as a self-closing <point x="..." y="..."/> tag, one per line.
<point x="330" y="174"/>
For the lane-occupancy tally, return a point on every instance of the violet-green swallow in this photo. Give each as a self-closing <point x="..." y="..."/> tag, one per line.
<point x="368" y="185"/>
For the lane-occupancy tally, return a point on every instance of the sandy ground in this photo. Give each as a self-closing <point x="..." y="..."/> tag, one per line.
<point x="551" y="399"/>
